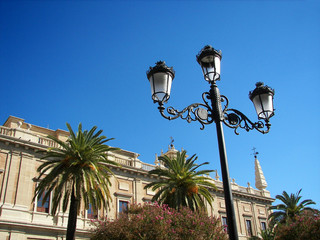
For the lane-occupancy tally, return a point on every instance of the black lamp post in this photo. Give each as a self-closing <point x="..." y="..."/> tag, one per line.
<point x="161" y="77"/>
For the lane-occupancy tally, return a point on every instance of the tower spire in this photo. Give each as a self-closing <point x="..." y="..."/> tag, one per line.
<point x="261" y="182"/>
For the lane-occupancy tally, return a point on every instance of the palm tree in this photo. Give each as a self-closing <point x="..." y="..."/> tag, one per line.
<point x="290" y="207"/>
<point x="77" y="171"/>
<point x="267" y="234"/>
<point x="180" y="184"/>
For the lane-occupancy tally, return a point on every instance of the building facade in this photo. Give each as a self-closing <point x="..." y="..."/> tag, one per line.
<point x="23" y="219"/>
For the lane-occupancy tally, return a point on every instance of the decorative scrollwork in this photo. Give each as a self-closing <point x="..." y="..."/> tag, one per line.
<point x="224" y="100"/>
<point x="203" y="113"/>
<point x="195" y="112"/>
<point x="236" y="119"/>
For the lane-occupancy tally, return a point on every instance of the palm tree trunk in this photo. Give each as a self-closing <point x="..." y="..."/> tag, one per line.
<point x="72" y="219"/>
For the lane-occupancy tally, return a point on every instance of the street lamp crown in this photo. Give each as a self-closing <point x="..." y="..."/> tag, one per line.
<point x="260" y="89"/>
<point x="160" y="67"/>
<point x="208" y="50"/>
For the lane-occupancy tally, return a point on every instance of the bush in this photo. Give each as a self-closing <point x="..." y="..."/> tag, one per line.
<point x="160" y="223"/>
<point x="300" y="228"/>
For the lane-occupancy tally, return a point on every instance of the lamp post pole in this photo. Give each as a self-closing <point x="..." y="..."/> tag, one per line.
<point x="161" y="77"/>
<point x="218" y="115"/>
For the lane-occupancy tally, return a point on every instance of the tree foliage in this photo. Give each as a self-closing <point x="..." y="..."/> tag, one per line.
<point x="289" y="208"/>
<point x="77" y="171"/>
<point x="180" y="184"/>
<point x="267" y="234"/>
<point x="305" y="226"/>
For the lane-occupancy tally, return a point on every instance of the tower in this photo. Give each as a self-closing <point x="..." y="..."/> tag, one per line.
<point x="261" y="182"/>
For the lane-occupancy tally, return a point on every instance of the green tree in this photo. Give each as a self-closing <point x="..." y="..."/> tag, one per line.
<point x="267" y="234"/>
<point x="289" y="208"/>
<point x="305" y="226"/>
<point x="180" y="184"/>
<point x="76" y="171"/>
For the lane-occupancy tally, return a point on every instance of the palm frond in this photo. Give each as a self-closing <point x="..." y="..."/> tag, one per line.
<point x="80" y="163"/>
<point x="180" y="184"/>
<point x="290" y="206"/>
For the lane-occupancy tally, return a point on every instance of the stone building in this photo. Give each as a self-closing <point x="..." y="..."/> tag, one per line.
<point x="22" y="219"/>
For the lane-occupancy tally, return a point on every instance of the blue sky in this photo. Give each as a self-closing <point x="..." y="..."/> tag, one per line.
<point x="86" y="61"/>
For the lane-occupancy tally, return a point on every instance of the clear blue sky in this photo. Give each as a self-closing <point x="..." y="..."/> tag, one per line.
<point x="85" y="61"/>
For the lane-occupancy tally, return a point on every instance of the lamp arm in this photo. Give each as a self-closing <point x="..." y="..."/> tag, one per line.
<point x="234" y="119"/>
<point x="200" y="112"/>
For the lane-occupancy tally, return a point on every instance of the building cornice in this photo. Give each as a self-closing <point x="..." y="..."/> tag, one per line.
<point x="37" y="227"/>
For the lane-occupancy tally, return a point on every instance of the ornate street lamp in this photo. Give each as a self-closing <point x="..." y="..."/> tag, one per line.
<point x="161" y="77"/>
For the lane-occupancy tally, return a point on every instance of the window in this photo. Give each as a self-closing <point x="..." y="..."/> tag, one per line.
<point x="123" y="205"/>
<point x="225" y="224"/>
<point x="123" y="201"/>
<point x="91" y="214"/>
<point x="249" y="227"/>
<point x="43" y="206"/>
<point x="263" y="226"/>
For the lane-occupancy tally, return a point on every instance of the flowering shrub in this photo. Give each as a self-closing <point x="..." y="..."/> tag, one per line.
<point x="300" y="228"/>
<point x="160" y="223"/>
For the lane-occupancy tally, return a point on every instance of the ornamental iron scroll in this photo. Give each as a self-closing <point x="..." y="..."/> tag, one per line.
<point x="236" y="119"/>
<point x="203" y="113"/>
<point x="200" y="112"/>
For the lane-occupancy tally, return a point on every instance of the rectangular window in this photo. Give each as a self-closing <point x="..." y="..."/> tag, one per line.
<point x="263" y="226"/>
<point x="123" y="205"/>
<point x="91" y="214"/>
<point x="225" y="224"/>
<point x="43" y="206"/>
<point x="249" y="227"/>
